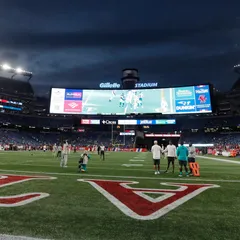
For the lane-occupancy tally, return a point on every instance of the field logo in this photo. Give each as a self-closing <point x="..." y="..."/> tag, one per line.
<point x="22" y="199"/>
<point x="135" y="203"/>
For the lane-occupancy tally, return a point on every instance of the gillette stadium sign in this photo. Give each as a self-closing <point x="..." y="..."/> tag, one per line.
<point x="137" y="85"/>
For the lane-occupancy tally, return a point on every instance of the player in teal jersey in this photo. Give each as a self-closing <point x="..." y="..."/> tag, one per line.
<point x="182" y="155"/>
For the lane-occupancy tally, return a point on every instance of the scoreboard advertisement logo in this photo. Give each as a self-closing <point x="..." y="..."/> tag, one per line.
<point x="185" y="105"/>
<point x="73" y="101"/>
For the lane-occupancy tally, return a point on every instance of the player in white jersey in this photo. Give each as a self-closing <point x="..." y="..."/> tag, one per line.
<point x="59" y="151"/>
<point x="44" y="148"/>
<point x="129" y="97"/>
<point x="64" y="157"/>
<point x="135" y="101"/>
<point x="171" y="155"/>
<point x="156" y="152"/>
<point x="113" y="95"/>
<point x="55" y="150"/>
<point x="164" y="105"/>
<point x="102" y="152"/>
<point x="69" y="148"/>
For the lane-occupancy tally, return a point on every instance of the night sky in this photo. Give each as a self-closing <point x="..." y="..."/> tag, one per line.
<point x="78" y="43"/>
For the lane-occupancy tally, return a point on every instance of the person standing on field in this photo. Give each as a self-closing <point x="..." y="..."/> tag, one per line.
<point x="64" y="157"/>
<point x="191" y="155"/>
<point x="102" y="152"/>
<point x="171" y="155"/>
<point x="182" y="155"/>
<point x="156" y="152"/>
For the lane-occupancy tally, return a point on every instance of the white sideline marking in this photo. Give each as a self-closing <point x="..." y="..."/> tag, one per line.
<point x="221" y="160"/>
<point x="136" y="160"/>
<point x="132" y="165"/>
<point x="10" y="237"/>
<point x="127" y="177"/>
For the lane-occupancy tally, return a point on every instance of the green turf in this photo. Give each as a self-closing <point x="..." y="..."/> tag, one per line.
<point x="75" y="210"/>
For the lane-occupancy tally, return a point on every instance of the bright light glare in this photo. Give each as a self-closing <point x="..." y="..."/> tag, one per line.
<point x="19" y="70"/>
<point x="6" y="67"/>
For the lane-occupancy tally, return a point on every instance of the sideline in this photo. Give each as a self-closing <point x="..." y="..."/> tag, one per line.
<point x="11" y="237"/>
<point x="126" y="177"/>
<point x="220" y="159"/>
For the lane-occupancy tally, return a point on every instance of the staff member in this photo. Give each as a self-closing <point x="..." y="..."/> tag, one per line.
<point x="102" y="152"/>
<point x="59" y="151"/>
<point x="98" y="150"/>
<point x="182" y="155"/>
<point x="64" y="157"/>
<point x="156" y="152"/>
<point x="171" y="155"/>
<point x="191" y="155"/>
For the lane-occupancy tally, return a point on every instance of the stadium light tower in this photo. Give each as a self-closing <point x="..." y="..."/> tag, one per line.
<point x="16" y="71"/>
<point x="236" y="68"/>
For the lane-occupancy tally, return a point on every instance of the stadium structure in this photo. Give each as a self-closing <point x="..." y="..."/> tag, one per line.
<point x="119" y="196"/>
<point x="26" y="118"/>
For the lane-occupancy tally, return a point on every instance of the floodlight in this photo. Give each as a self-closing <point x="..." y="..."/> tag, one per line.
<point x="19" y="70"/>
<point x="16" y="71"/>
<point x="6" y="67"/>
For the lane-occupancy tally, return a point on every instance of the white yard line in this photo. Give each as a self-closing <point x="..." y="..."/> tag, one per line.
<point x="136" y="160"/>
<point x="220" y="160"/>
<point x="10" y="237"/>
<point x="127" y="177"/>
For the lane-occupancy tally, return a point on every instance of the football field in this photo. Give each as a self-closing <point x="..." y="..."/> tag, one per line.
<point x="117" y="199"/>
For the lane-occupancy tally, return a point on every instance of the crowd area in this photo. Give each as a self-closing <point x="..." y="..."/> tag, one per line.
<point x="38" y="139"/>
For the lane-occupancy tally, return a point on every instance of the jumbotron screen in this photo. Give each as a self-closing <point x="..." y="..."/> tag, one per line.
<point x="180" y="100"/>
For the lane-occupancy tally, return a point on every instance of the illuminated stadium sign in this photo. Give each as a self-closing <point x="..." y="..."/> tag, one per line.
<point x="108" y="122"/>
<point x="137" y="85"/>
<point x="179" y="100"/>
<point x="162" y="135"/>
<point x="147" y="122"/>
<point x="90" y="121"/>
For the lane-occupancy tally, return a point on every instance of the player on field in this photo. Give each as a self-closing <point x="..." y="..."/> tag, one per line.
<point x="182" y="155"/>
<point x="44" y="148"/>
<point x="102" y="152"/>
<point x="113" y="95"/>
<point x="191" y="155"/>
<point x="69" y="148"/>
<point x="140" y="99"/>
<point x="84" y="161"/>
<point x="156" y="152"/>
<point x="171" y="155"/>
<point x="59" y="151"/>
<point x="135" y="101"/>
<point x="129" y="99"/>
<point x="122" y="100"/>
<point x="55" y="150"/>
<point x="65" y="152"/>
<point x="164" y="105"/>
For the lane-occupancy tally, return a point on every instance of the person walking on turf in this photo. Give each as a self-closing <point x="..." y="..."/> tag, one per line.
<point x="156" y="152"/>
<point x="182" y="155"/>
<point x="191" y="156"/>
<point x="171" y="155"/>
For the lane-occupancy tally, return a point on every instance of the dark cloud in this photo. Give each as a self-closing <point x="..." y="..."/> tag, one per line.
<point x="83" y="43"/>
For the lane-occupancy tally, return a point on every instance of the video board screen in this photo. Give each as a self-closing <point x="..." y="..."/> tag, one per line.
<point x="180" y="100"/>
